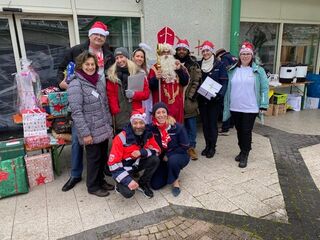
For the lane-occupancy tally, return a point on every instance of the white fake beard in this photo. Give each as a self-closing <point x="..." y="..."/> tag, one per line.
<point x="168" y="66"/>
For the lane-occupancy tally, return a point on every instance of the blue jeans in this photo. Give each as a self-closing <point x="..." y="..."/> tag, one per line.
<point x="76" y="155"/>
<point x="191" y="126"/>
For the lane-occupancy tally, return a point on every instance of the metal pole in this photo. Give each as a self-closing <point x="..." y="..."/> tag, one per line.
<point x="235" y="26"/>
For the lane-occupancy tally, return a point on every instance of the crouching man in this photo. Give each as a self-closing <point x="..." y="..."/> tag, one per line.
<point x="134" y="149"/>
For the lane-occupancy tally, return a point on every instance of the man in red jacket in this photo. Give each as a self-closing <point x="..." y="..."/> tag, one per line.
<point x="134" y="149"/>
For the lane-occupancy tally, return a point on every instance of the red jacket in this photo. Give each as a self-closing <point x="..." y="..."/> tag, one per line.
<point x="120" y="160"/>
<point x="113" y="99"/>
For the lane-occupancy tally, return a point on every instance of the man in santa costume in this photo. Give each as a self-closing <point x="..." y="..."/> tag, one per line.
<point x="168" y="77"/>
<point x="95" y="44"/>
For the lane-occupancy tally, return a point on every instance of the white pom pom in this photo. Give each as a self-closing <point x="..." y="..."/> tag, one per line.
<point x="145" y="46"/>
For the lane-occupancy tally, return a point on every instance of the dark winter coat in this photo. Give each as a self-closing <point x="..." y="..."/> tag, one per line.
<point x="179" y="142"/>
<point x="190" y="102"/>
<point x="90" y="113"/>
<point x="220" y="75"/>
<point x="75" y="51"/>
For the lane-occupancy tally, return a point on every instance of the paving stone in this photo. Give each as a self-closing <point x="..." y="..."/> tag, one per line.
<point x="161" y="227"/>
<point x="170" y="224"/>
<point x="144" y="237"/>
<point x="153" y="229"/>
<point x="144" y="231"/>
<point x="158" y="235"/>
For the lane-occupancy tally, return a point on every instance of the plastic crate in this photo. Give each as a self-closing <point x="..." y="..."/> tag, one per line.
<point x="279" y="98"/>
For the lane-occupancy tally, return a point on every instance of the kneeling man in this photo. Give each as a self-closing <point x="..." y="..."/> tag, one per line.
<point x="134" y="149"/>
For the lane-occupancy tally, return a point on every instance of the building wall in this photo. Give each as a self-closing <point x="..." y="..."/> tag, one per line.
<point x="85" y="7"/>
<point x="281" y="10"/>
<point x="193" y="20"/>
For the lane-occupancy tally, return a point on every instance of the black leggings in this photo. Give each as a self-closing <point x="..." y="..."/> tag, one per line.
<point x="244" y="124"/>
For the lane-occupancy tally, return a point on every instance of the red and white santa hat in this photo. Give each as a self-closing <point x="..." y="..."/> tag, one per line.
<point x="138" y="114"/>
<point x="183" y="43"/>
<point x="206" y="45"/>
<point x="99" y="28"/>
<point x="246" y="47"/>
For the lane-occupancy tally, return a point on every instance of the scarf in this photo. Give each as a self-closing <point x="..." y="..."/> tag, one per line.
<point x="91" y="78"/>
<point x="163" y="129"/>
<point x="122" y="74"/>
<point x="207" y="65"/>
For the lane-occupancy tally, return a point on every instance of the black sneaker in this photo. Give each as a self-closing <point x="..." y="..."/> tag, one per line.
<point x="145" y="189"/>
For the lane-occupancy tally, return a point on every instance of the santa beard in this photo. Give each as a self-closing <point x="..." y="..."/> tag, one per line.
<point x="168" y="66"/>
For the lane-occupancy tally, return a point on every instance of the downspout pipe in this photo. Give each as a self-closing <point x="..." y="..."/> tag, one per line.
<point x="235" y="27"/>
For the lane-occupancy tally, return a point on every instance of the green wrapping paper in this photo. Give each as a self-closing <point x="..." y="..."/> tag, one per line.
<point x="11" y="149"/>
<point x="13" y="178"/>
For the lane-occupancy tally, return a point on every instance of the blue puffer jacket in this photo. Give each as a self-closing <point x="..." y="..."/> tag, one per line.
<point x="262" y="89"/>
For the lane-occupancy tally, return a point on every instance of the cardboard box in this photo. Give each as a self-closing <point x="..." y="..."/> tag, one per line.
<point x="13" y="177"/>
<point x="11" y="149"/>
<point x="279" y="109"/>
<point x="269" y="111"/>
<point x="39" y="169"/>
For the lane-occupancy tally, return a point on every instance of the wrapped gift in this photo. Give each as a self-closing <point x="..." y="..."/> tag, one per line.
<point x="39" y="169"/>
<point x="11" y="149"/>
<point x="35" y="142"/>
<point x="209" y="88"/>
<point x="13" y="178"/>
<point x="58" y="102"/>
<point x="34" y="123"/>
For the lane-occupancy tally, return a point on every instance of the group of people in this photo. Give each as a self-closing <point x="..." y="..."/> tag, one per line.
<point x="154" y="129"/>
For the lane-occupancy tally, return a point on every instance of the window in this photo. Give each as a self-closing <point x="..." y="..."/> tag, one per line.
<point x="264" y="38"/>
<point x="299" y="45"/>
<point x="124" y="31"/>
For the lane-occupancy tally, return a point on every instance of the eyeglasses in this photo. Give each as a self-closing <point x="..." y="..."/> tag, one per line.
<point x="245" y="54"/>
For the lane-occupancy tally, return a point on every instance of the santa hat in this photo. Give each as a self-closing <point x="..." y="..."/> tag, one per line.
<point x="138" y="114"/>
<point x="206" y="45"/>
<point x="183" y="43"/>
<point x="246" y="47"/>
<point x="99" y="28"/>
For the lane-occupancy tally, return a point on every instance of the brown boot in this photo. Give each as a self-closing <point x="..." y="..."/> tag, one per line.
<point x="192" y="153"/>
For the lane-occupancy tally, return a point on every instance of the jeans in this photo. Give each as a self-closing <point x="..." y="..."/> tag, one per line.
<point x="76" y="155"/>
<point x="191" y="126"/>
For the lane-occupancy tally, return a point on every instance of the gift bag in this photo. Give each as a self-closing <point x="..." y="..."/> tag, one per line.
<point x="13" y="178"/>
<point x="34" y="123"/>
<point x="37" y="142"/>
<point x="39" y="169"/>
<point x="58" y="103"/>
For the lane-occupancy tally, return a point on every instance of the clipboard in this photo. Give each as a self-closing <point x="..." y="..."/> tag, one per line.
<point x="136" y="82"/>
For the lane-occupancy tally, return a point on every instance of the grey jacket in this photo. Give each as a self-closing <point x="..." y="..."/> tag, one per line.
<point x="90" y="109"/>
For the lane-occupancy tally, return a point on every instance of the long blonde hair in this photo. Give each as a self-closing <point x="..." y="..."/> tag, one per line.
<point x="112" y="71"/>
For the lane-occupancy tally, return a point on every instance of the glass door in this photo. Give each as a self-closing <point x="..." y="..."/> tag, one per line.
<point x="45" y="42"/>
<point x="8" y="66"/>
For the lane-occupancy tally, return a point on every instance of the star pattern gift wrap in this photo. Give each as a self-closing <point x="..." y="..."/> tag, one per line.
<point x="13" y="178"/>
<point x="39" y="169"/>
<point x="58" y="102"/>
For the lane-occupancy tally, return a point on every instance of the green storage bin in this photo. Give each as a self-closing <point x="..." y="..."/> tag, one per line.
<point x="280" y="98"/>
<point x="11" y="149"/>
<point x="13" y="177"/>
